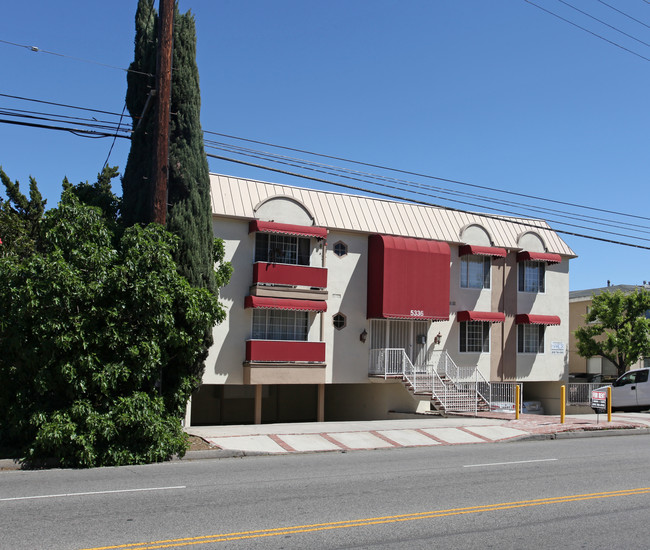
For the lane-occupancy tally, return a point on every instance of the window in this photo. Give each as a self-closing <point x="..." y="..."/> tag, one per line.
<point x="530" y="338"/>
<point x="282" y="249"/>
<point x="531" y="276"/>
<point x="339" y="321"/>
<point x="280" y="324"/>
<point x="340" y="248"/>
<point x="475" y="271"/>
<point x="474" y="336"/>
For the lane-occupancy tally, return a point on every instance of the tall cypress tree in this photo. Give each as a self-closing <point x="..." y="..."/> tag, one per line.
<point x="136" y="182"/>
<point x="189" y="214"/>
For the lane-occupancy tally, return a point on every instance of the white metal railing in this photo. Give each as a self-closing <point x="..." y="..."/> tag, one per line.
<point x="455" y="388"/>
<point x="503" y="391"/>
<point x="579" y="393"/>
<point x="387" y="362"/>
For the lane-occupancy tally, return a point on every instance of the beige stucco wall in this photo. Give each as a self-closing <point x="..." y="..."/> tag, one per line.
<point x="224" y="364"/>
<point x="466" y="299"/>
<point x="548" y="366"/>
<point x="350" y="393"/>
<point x="577" y="312"/>
<point x="347" y="356"/>
<point x="368" y="401"/>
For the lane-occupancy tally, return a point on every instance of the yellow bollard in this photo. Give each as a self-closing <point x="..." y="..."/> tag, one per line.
<point x="562" y="403"/>
<point x="609" y="403"/>
<point x="517" y="401"/>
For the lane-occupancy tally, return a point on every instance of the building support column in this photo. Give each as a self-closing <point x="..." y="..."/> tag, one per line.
<point x="258" y="403"/>
<point x="320" y="413"/>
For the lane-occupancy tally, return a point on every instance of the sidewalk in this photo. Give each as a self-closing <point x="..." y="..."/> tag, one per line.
<point x="426" y="431"/>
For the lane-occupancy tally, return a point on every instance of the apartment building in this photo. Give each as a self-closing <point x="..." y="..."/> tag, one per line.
<point x="325" y="284"/>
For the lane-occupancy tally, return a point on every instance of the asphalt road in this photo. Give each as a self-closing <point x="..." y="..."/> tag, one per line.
<point x="577" y="493"/>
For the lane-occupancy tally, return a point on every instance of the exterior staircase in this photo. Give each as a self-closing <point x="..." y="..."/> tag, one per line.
<point x="451" y="388"/>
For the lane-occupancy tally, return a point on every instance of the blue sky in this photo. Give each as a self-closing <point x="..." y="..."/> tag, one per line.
<point x="498" y="93"/>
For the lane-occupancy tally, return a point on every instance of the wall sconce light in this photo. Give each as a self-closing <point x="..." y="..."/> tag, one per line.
<point x="437" y="339"/>
<point x="363" y="336"/>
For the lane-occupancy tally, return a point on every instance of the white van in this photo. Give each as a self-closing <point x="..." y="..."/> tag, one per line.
<point x="630" y="392"/>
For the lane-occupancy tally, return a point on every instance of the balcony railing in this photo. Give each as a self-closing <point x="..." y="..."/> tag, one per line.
<point x="285" y="351"/>
<point x="288" y="274"/>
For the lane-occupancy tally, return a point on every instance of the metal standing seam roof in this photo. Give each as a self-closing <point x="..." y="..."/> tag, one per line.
<point x="237" y="198"/>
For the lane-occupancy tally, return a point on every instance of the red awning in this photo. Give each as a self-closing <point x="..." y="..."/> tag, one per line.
<point x="487" y="316"/>
<point x="287" y="229"/>
<point x="528" y="319"/>
<point x="539" y="257"/>
<point x="407" y="278"/>
<point x="263" y="302"/>
<point x="482" y="251"/>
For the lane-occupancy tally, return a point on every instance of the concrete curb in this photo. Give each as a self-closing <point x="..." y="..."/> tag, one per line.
<point x="577" y="434"/>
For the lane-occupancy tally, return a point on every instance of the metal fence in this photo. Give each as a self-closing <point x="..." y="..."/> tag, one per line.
<point x="580" y="393"/>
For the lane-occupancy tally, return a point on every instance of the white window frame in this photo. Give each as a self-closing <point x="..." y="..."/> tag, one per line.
<point x="475" y="335"/>
<point x="532" y="277"/>
<point x="530" y="339"/>
<point x="280" y="324"/>
<point x="475" y="271"/>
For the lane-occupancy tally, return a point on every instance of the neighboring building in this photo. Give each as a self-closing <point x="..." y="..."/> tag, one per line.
<point x="324" y="283"/>
<point x="592" y="368"/>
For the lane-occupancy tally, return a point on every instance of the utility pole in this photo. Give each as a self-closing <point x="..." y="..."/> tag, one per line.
<point x="160" y="170"/>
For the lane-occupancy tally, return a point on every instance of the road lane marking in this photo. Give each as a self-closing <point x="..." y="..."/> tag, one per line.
<point x="506" y="463"/>
<point x="274" y="532"/>
<point x="94" y="493"/>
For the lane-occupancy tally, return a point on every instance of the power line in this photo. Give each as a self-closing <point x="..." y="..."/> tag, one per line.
<point x="437" y="178"/>
<point x="39" y="50"/>
<point x="95" y="129"/>
<point x="308" y="164"/>
<point x="502" y="210"/>
<point x="587" y="30"/>
<point x="623" y="13"/>
<point x="59" y="104"/>
<point x="115" y="136"/>
<point x="82" y="132"/>
<point x="401" y="198"/>
<point x="603" y="22"/>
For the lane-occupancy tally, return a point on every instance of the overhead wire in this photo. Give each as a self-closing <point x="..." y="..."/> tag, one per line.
<point x="117" y="130"/>
<point x="36" y="49"/>
<point x="602" y="22"/>
<point x="502" y="210"/>
<point x="97" y="129"/>
<point x="588" y="31"/>
<point x="428" y="176"/>
<point x="625" y="14"/>
<point x="408" y="183"/>
<point x="401" y="198"/>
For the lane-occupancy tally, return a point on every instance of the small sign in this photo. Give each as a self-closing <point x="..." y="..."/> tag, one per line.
<point x="557" y="347"/>
<point x="599" y="400"/>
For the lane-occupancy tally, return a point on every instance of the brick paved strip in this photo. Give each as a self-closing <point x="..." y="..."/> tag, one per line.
<point x="282" y="443"/>
<point x="453" y="435"/>
<point x="360" y="440"/>
<point x="257" y="443"/>
<point x="409" y="438"/>
<point x="495" y="433"/>
<point x="310" y="442"/>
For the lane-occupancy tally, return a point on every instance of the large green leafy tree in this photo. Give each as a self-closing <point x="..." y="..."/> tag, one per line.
<point x="189" y="215"/>
<point x="617" y="328"/>
<point x="97" y="329"/>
